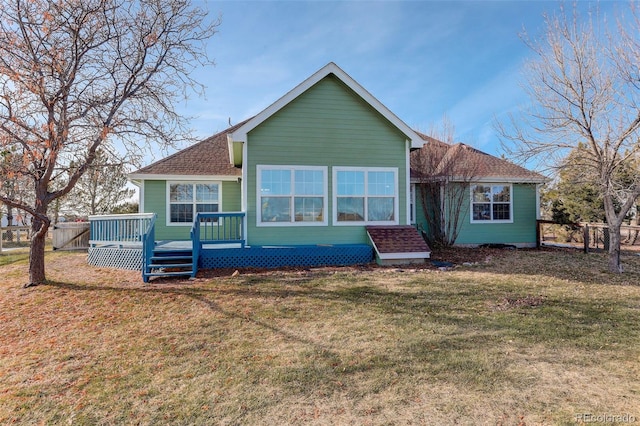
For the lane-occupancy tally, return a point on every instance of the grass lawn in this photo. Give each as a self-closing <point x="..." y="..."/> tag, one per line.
<point x="521" y="337"/>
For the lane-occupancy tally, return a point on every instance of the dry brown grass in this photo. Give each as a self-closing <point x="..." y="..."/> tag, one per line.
<point x="521" y="337"/>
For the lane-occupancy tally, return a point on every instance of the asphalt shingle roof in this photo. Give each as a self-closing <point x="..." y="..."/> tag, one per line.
<point x="209" y="157"/>
<point x="471" y="162"/>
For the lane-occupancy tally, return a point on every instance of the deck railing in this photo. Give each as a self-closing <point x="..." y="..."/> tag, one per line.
<point x="218" y="228"/>
<point x="148" y="244"/>
<point x="119" y="229"/>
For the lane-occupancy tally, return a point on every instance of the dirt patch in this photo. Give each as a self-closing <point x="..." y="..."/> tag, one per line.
<point x="508" y="303"/>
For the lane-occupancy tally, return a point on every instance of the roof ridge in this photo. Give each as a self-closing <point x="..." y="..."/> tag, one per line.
<point x="488" y="165"/>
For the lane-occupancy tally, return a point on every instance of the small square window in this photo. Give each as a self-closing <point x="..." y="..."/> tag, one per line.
<point x="491" y="203"/>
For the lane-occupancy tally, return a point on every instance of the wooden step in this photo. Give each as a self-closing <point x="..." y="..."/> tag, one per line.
<point x="170" y="262"/>
<point x="170" y="265"/>
<point x="155" y="258"/>
<point x="168" y="274"/>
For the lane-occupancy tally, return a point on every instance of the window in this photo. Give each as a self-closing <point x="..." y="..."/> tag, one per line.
<point x="292" y="195"/>
<point x="365" y="195"/>
<point x="491" y="202"/>
<point x="186" y="199"/>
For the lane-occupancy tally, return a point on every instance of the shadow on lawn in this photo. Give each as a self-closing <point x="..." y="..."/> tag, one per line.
<point x="438" y="331"/>
<point x="446" y="327"/>
<point x="554" y="321"/>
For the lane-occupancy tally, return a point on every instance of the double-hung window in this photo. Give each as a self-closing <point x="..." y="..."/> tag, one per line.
<point x="187" y="198"/>
<point x="365" y="195"/>
<point x="292" y="195"/>
<point x="491" y="203"/>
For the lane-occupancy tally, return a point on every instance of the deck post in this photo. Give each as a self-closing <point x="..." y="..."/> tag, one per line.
<point x="148" y="244"/>
<point x="195" y="245"/>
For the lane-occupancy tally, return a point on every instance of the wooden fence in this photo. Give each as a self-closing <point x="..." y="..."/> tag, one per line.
<point x="14" y="236"/>
<point x="586" y="236"/>
<point x="71" y="236"/>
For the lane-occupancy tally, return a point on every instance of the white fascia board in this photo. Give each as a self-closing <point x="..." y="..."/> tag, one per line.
<point x="138" y="177"/>
<point x="230" y="148"/>
<point x="240" y="135"/>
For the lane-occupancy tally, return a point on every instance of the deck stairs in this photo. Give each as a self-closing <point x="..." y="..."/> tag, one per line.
<point x="171" y="262"/>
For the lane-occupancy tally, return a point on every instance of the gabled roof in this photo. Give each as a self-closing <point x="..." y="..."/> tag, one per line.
<point x="465" y="162"/>
<point x="209" y="157"/>
<point x="240" y="134"/>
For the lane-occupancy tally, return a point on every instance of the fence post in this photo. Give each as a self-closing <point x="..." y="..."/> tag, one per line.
<point x="0" y="240"/>
<point x="585" y="233"/>
<point x="605" y="237"/>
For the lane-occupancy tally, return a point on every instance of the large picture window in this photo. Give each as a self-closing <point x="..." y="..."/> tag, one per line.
<point x="292" y="195"/>
<point x="186" y="199"/>
<point x="365" y="195"/>
<point x="491" y="203"/>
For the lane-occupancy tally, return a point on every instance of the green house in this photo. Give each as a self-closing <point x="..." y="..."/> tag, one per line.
<point x="473" y="197"/>
<point x="323" y="175"/>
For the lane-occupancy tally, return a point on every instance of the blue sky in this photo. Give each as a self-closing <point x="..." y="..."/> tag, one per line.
<point x="422" y="59"/>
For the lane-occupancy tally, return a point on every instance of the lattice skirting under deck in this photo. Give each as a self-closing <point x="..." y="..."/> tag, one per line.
<point x="277" y="257"/>
<point x="113" y="257"/>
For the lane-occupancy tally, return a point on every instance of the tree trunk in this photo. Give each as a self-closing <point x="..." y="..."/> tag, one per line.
<point x="39" y="230"/>
<point x="615" y="264"/>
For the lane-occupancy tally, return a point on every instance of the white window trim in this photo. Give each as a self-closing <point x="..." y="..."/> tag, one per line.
<point x="325" y="196"/>
<point x="188" y="182"/>
<point x="412" y="204"/>
<point x="396" y="197"/>
<point x="491" y="184"/>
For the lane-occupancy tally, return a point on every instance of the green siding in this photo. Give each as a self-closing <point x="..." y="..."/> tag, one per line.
<point x="421" y="219"/>
<point x="521" y="231"/>
<point x="155" y="201"/>
<point x="328" y="125"/>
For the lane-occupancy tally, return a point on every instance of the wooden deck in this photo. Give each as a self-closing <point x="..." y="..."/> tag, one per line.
<point x="218" y="241"/>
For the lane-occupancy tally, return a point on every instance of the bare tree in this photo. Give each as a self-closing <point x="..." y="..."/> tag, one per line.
<point x="584" y="84"/>
<point x="444" y="171"/>
<point x="101" y="187"/>
<point x="76" y="75"/>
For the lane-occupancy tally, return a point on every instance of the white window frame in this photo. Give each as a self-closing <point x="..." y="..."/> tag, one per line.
<point x="412" y="204"/>
<point x="192" y="183"/>
<point x="491" y="202"/>
<point x="396" y="196"/>
<point x="292" y="196"/>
